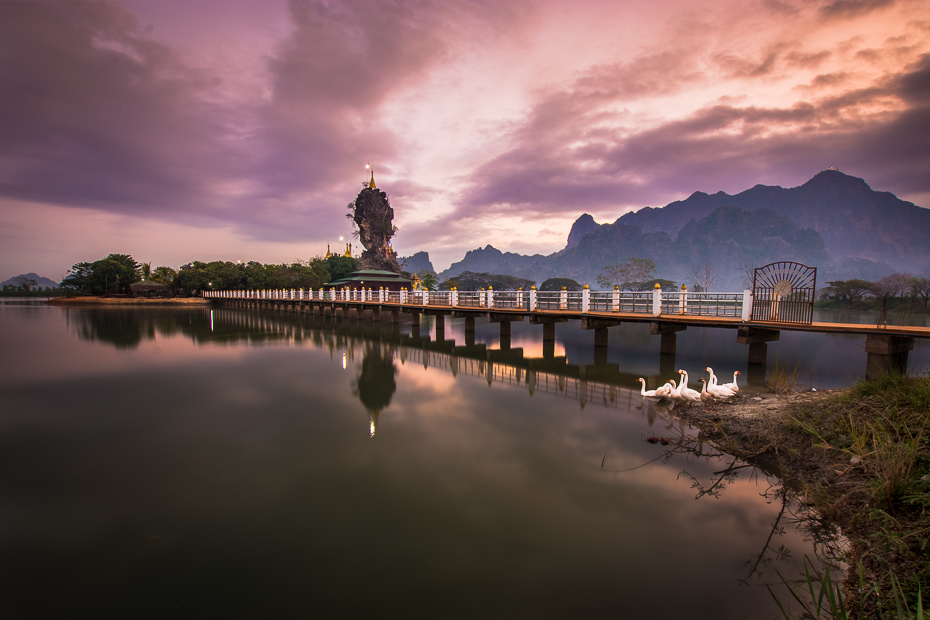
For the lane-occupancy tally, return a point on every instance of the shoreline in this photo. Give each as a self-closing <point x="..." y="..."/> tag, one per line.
<point x="764" y="430"/>
<point x="128" y="301"/>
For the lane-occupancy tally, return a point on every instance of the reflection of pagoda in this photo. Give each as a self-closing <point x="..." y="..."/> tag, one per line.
<point x="375" y="384"/>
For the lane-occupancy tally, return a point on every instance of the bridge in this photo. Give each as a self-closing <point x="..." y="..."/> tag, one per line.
<point x="667" y="313"/>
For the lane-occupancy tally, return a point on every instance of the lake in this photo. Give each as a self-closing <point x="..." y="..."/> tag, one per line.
<point x="236" y="463"/>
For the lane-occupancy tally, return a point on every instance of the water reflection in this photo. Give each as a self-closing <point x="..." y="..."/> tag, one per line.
<point x="376" y="384"/>
<point x="245" y="480"/>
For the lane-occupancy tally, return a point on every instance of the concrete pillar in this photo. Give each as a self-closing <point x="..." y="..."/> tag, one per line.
<point x="886" y="354"/>
<point x="549" y="332"/>
<point x="548" y="349"/>
<point x="470" y="325"/>
<point x="600" y="337"/>
<point x="376" y="315"/>
<point x="669" y="344"/>
<point x="415" y="319"/>
<point x="758" y="353"/>
<point x="395" y="317"/>
<point x="600" y="354"/>
<point x="667" y="369"/>
<point x="440" y="322"/>
<point x="505" y="329"/>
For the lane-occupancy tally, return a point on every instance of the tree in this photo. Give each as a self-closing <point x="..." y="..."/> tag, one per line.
<point x="146" y="270"/>
<point x="340" y="266"/>
<point x="112" y="274"/>
<point x="556" y="284"/>
<point x="628" y="275"/>
<point x="471" y="281"/>
<point x="846" y="292"/>
<point x="920" y="288"/>
<point x="703" y="277"/>
<point x="427" y="279"/>
<point x="164" y="275"/>
<point x="665" y="285"/>
<point x="747" y="274"/>
<point x="892" y="286"/>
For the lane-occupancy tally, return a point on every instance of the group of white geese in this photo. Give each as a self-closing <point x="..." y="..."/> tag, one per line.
<point x="680" y="393"/>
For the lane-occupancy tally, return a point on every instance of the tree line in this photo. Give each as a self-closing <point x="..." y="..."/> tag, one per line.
<point x="115" y="273"/>
<point x="896" y="288"/>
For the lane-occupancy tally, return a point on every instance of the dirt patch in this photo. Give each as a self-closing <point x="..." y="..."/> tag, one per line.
<point x="129" y="301"/>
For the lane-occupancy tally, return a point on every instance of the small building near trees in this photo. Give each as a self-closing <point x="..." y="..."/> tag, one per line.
<point x="149" y="288"/>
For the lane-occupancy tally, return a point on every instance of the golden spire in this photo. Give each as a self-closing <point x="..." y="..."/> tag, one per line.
<point x="328" y="253"/>
<point x="371" y="183"/>
<point x="348" y="250"/>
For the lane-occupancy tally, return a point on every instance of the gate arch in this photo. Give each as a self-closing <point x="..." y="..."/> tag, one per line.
<point x="783" y="292"/>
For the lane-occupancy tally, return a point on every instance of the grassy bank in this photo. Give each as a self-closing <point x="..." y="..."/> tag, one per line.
<point x="860" y="457"/>
<point x="873" y="442"/>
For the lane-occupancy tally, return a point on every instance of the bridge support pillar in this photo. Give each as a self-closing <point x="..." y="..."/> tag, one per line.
<point x="376" y="315"/>
<point x="395" y="317"/>
<point x="548" y="324"/>
<point x="549" y="332"/>
<point x="505" y="329"/>
<point x="757" y="338"/>
<point x="470" y="326"/>
<point x="600" y="337"/>
<point x="669" y="343"/>
<point x="886" y="354"/>
<point x="415" y="319"/>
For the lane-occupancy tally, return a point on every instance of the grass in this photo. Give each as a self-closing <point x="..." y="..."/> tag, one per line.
<point x="819" y="596"/>
<point x="781" y="380"/>
<point x="874" y="438"/>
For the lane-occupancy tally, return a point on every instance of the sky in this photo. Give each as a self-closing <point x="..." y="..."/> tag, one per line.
<point x="180" y="130"/>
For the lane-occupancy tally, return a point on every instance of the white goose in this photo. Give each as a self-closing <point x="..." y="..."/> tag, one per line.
<point x="706" y="396"/>
<point x="648" y="393"/>
<point x="675" y="393"/>
<point x="665" y="391"/>
<point x="734" y="387"/>
<point x="718" y="391"/>
<point x="689" y="395"/>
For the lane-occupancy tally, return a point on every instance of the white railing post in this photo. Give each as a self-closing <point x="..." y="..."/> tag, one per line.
<point x="532" y="307"/>
<point x="403" y="295"/>
<point x="747" y="305"/>
<point x="585" y="299"/>
<point x="490" y="297"/>
<point x="454" y="297"/>
<point x="425" y="297"/>
<point x="657" y="301"/>
<point x="563" y="299"/>
<point x="481" y="303"/>
<point x="615" y="299"/>
<point x="683" y="300"/>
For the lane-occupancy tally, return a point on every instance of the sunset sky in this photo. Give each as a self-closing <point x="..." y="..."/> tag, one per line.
<point x="179" y="130"/>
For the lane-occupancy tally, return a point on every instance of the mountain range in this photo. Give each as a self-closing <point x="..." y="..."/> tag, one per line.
<point x="834" y="222"/>
<point x="40" y="281"/>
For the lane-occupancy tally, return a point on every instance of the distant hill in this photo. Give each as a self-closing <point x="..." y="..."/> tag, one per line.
<point x="834" y="222"/>
<point x="417" y="263"/>
<point x="40" y="281"/>
<point x="854" y="220"/>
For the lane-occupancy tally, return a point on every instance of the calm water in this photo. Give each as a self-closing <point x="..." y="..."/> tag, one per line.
<point x="228" y="463"/>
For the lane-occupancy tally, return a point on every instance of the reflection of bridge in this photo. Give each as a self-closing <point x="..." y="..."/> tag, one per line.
<point x="667" y="313"/>
<point x="601" y="383"/>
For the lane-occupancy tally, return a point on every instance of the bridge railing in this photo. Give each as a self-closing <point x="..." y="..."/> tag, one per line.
<point x="656" y="302"/>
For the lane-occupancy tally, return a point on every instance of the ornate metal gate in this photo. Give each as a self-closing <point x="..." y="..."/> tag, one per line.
<point x="784" y="292"/>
